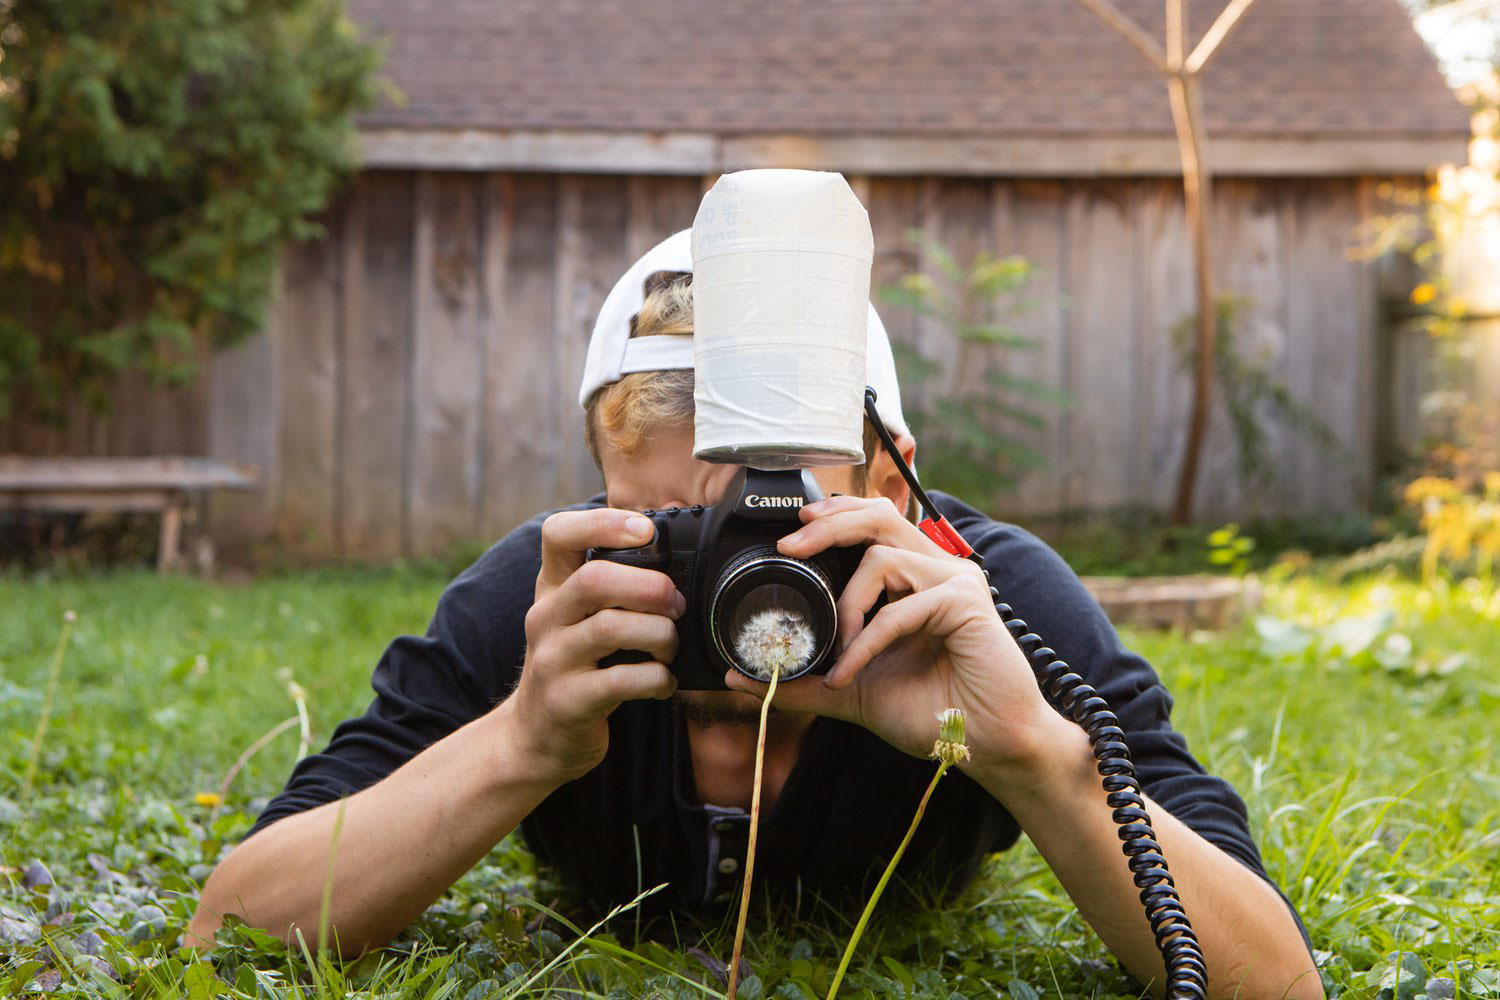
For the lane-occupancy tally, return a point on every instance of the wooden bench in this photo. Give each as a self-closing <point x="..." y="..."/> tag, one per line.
<point x="160" y="485"/>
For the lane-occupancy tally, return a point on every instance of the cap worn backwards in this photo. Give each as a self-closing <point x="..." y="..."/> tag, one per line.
<point x="613" y="352"/>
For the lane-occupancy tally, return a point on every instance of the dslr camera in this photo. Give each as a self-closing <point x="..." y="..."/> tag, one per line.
<point x="724" y="561"/>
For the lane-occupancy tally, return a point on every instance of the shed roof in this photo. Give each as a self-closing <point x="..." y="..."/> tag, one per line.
<point x="910" y="69"/>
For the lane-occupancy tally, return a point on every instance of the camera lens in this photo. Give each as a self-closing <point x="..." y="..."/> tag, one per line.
<point x="769" y="611"/>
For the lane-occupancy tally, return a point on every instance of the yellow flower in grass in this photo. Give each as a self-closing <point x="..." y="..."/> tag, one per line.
<point x="1423" y="293"/>
<point x="207" y="799"/>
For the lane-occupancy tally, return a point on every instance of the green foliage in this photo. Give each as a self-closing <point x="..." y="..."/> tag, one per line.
<point x="1248" y="389"/>
<point x="1356" y="721"/>
<point x="1140" y="543"/>
<point x="1229" y="551"/>
<point x="972" y="440"/>
<point x="154" y="159"/>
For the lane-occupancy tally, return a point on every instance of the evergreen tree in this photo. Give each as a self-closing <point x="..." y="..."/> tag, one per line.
<point x="155" y="157"/>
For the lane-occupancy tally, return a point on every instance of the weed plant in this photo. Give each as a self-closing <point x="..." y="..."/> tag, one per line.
<point x="1357" y="720"/>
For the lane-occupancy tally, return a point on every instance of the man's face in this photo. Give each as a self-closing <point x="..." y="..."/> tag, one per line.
<point x="663" y="473"/>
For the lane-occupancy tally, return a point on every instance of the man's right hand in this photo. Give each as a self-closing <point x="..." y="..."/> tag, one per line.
<point x="583" y="612"/>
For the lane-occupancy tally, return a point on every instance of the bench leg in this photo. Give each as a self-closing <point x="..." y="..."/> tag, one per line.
<point x="171" y="537"/>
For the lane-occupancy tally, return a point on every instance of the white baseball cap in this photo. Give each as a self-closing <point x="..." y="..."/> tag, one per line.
<point x="613" y="352"/>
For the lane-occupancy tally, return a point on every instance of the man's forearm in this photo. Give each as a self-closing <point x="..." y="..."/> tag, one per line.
<point x="1249" y="939"/>
<point x="401" y="843"/>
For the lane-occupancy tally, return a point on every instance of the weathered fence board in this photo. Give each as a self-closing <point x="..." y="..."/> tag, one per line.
<point x="377" y="311"/>
<point x="522" y="406"/>
<point x="444" y="462"/>
<point x="1028" y="222"/>
<point x="590" y="258"/>
<point x="309" y="372"/>
<point x="417" y="381"/>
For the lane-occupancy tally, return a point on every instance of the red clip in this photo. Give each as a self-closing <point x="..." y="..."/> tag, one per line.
<point x="946" y="536"/>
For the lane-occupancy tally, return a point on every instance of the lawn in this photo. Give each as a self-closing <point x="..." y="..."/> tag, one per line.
<point x="1358" y="720"/>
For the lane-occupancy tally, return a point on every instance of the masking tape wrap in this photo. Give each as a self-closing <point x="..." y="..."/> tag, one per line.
<point x="781" y="293"/>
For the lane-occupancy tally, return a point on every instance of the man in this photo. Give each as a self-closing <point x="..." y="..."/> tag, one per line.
<point x="501" y="716"/>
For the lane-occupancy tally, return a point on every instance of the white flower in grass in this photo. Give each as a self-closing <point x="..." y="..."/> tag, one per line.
<point x="774" y="642"/>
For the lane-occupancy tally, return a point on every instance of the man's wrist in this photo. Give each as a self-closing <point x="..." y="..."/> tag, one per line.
<point x="517" y="756"/>
<point x="1057" y="772"/>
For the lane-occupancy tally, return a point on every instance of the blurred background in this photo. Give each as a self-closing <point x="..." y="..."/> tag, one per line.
<point x="356" y="256"/>
<point x="294" y="299"/>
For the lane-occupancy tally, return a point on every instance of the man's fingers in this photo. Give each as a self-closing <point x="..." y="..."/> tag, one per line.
<point x="805" y="694"/>
<point x="885" y="569"/>
<point x="855" y="521"/>
<point x="613" y="629"/>
<point x="907" y="616"/>
<point x="567" y="535"/>
<point x="604" y="584"/>
<point x="600" y="692"/>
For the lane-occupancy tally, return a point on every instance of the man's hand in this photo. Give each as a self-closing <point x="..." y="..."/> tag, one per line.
<point x="583" y="612"/>
<point x="938" y="643"/>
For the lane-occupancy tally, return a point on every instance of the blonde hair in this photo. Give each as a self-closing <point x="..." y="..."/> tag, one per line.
<point x="622" y="413"/>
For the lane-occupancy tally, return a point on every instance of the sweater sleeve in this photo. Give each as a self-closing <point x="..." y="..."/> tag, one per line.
<point x="430" y="685"/>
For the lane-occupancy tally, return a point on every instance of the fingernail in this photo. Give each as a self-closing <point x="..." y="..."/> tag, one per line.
<point x="681" y="604"/>
<point x="639" y="527"/>
<point x="792" y="540"/>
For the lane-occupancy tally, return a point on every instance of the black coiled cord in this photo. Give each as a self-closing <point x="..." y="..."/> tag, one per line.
<point x="1075" y="698"/>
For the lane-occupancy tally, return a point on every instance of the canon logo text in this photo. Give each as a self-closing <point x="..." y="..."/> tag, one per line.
<point x="756" y="500"/>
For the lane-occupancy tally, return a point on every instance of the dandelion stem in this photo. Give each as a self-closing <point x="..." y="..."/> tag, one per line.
<point x="305" y="731"/>
<point x="760" y="757"/>
<point x="244" y="758"/>
<point x="327" y="905"/>
<point x="53" y="676"/>
<point x="864" y="918"/>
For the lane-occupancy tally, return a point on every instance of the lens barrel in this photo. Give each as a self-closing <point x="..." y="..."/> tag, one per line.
<point x="762" y="579"/>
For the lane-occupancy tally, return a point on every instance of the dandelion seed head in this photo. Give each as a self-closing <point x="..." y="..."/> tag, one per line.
<point x="70" y="616"/>
<point x="774" y="641"/>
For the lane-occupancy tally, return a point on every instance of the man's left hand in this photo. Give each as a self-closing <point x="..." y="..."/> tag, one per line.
<point x="938" y="643"/>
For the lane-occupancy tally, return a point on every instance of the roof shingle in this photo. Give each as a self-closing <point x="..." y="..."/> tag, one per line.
<point x="895" y="67"/>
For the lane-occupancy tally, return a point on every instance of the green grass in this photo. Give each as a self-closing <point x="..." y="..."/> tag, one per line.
<point x="1357" y="720"/>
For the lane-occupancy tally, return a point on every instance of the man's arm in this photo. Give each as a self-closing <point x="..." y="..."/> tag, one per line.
<point x="396" y="846"/>
<point x="1250" y="942"/>
<point x="939" y="644"/>
<point x="400" y="843"/>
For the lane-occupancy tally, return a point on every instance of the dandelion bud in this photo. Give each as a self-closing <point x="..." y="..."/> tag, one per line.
<point x="950" y="747"/>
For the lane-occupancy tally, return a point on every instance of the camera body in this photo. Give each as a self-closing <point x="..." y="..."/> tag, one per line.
<point x="724" y="561"/>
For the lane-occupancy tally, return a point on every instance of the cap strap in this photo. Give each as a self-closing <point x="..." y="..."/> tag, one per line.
<point x="657" y="353"/>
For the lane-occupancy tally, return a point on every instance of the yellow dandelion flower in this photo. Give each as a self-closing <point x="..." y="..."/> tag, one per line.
<point x="1423" y="293"/>
<point x="208" y="799"/>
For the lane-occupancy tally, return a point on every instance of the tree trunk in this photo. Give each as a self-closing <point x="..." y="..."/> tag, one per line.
<point x="1196" y="187"/>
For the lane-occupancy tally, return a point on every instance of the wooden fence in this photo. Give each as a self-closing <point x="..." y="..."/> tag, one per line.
<point x="417" y="383"/>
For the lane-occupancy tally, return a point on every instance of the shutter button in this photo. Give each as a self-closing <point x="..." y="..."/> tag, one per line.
<point x="729" y="866"/>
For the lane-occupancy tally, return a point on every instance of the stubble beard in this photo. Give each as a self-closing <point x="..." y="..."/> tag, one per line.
<point x="720" y="708"/>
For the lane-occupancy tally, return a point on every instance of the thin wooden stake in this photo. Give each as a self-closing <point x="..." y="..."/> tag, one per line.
<point x="1130" y="31"/>
<point x="1229" y="19"/>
